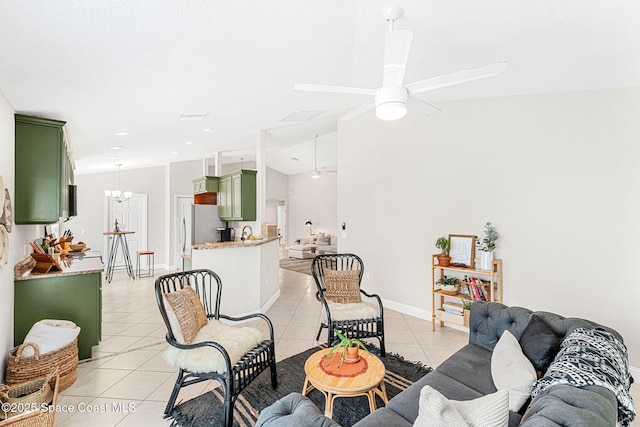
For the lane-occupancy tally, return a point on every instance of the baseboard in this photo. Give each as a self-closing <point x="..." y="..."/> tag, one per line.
<point x="416" y="312"/>
<point x="267" y="305"/>
<point x="635" y="373"/>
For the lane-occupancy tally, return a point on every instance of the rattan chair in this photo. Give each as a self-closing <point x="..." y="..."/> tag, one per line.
<point x="369" y="326"/>
<point x="236" y="377"/>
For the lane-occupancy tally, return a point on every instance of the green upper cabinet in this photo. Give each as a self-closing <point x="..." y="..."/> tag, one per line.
<point x="43" y="171"/>
<point x="237" y="196"/>
<point x="205" y="184"/>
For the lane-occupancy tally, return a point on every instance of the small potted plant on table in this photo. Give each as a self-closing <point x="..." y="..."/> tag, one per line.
<point x="445" y="246"/>
<point x="347" y="348"/>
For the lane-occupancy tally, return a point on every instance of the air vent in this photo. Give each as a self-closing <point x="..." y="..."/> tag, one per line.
<point x="191" y="117"/>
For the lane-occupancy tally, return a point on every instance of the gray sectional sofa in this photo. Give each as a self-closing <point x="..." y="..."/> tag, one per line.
<point x="466" y="375"/>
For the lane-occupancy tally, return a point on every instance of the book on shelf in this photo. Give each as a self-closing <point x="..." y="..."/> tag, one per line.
<point x="456" y="307"/>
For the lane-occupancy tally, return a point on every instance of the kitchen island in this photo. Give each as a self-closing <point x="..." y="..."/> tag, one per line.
<point x="249" y="271"/>
<point x="74" y="294"/>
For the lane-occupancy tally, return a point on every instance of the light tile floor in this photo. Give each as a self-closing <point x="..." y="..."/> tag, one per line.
<point x="127" y="383"/>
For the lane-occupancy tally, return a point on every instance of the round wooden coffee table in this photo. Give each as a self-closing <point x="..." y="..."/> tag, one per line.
<point x="369" y="383"/>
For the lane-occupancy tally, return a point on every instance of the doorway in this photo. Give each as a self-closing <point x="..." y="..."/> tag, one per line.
<point x="281" y="221"/>
<point x="132" y="216"/>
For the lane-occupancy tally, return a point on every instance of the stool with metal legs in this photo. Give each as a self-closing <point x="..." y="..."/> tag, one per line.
<point x="150" y="263"/>
<point x="119" y="239"/>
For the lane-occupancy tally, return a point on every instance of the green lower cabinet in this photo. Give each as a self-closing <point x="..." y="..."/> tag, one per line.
<point x="77" y="298"/>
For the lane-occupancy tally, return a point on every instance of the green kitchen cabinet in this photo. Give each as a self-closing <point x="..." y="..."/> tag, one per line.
<point x="205" y="184"/>
<point x="77" y="298"/>
<point x="237" y="196"/>
<point x="43" y="171"/>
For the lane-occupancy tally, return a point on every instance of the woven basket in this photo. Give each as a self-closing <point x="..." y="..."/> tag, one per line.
<point x="46" y="391"/>
<point x="21" y="368"/>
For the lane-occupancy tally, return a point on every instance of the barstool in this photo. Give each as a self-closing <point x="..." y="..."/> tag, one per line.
<point x="150" y="263"/>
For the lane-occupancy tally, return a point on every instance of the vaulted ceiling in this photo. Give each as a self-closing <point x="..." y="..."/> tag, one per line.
<point x="138" y="66"/>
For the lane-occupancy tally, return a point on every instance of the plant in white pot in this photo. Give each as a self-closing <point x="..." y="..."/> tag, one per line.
<point x="487" y="245"/>
<point x="448" y="285"/>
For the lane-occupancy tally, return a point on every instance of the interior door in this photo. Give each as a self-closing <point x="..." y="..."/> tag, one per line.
<point x="132" y="216"/>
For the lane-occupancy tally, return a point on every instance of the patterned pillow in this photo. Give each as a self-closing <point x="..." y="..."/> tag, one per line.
<point x="186" y="314"/>
<point x="343" y="286"/>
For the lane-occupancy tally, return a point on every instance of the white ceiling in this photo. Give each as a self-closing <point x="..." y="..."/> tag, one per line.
<point x="136" y="66"/>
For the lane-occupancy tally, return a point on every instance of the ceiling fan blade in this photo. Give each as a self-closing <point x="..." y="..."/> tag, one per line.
<point x="311" y="87"/>
<point x="456" y="78"/>
<point x="358" y="110"/>
<point x="397" y="45"/>
<point x="422" y="106"/>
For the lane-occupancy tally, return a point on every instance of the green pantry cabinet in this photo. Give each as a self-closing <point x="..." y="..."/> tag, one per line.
<point x="237" y="196"/>
<point x="77" y="298"/>
<point x="43" y="171"/>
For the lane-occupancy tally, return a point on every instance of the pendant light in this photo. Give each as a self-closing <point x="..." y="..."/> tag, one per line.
<point x="118" y="194"/>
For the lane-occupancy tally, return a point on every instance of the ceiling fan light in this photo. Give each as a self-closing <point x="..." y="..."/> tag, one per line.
<point x="391" y="111"/>
<point x="391" y="103"/>
<point x="315" y="174"/>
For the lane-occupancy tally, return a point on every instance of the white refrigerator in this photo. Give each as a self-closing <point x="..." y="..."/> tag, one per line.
<point x="198" y="224"/>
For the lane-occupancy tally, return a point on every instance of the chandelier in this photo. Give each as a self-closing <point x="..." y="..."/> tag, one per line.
<point x="118" y="194"/>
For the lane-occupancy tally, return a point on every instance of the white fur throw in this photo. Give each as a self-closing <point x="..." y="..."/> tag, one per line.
<point x="237" y="341"/>
<point x="352" y="311"/>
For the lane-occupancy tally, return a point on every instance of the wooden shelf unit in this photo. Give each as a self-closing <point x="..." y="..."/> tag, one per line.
<point x="438" y="298"/>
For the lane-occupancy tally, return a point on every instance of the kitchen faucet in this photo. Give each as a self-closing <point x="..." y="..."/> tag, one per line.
<point x="248" y="235"/>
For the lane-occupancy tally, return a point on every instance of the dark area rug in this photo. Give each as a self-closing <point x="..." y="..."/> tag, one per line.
<point x="295" y="264"/>
<point x="207" y="409"/>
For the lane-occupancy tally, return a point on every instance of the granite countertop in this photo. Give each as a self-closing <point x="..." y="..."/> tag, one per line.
<point x="70" y="266"/>
<point x="234" y="244"/>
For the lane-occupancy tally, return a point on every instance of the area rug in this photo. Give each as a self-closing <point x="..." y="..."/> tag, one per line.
<point x="295" y="264"/>
<point x="207" y="409"/>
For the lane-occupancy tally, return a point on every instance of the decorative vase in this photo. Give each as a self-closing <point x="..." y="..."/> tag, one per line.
<point x="352" y="355"/>
<point x="444" y="261"/>
<point x="486" y="258"/>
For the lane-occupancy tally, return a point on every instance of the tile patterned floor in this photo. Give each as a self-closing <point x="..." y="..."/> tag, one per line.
<point x="127" y="383"/>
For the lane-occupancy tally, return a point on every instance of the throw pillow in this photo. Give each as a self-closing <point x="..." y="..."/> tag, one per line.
<point x="342" y="286"/>
<point x="539" y="344"/>
<point x="435" y="410"/>
<point x="323" y="241"/>
<point x="186" y="314"/>
<point x="511" y="370"/>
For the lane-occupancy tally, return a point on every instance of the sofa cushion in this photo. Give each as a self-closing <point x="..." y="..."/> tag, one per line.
<point x="471" y="365"/>
<point x="381" y="417"/>
<point x="436" y="410"/>
<point x="293" y="410"/>
<point x="342" y="286"/>
<point x="185" y="313"/>
<point x="512" y="371"/>
<point x="489" y="320"/>
<point x="406" y="403"/>
<point x="539" y="343"/>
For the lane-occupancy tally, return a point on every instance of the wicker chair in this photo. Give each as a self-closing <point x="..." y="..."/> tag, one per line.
<point x="368" y="326"/>
<point x="235" y="377"/>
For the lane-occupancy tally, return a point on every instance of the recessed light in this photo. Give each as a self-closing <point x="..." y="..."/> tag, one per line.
<point x="112" y="157"/>
<point x="188" y="142"/>
<point x="192" y="116"/>
<point x="207" y="130"/>
<point x="176" y="152"/>
<point x="121" y="133"/>
<point x="117" y="147"/>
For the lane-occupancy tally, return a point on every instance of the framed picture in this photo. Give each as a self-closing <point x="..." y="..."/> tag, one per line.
<point x="462" y="250"/>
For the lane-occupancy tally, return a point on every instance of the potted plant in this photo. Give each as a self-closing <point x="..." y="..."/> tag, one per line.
<point x="466" y="305"/>
<point x="445" y="246"/>
<point x="487" y="245"/>
<point x="448" y="285"/>
<point x="347" y="348"/>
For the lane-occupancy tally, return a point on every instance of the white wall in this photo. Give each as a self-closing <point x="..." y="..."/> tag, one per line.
<point x="91" y="207"/>
<point x="557" y="174"/>
<point x="311" y="199"/>
<point x="19" y="236"/>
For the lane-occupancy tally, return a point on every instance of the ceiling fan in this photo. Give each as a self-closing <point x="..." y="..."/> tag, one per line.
<point x="317" y="172"/>
<point x="392" y="98"/>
